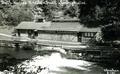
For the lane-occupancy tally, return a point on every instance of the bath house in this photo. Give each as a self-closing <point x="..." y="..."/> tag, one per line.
<point x="68" y="30"/>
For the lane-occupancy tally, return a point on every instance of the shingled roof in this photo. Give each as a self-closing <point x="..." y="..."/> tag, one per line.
<point x="56" y="26"/>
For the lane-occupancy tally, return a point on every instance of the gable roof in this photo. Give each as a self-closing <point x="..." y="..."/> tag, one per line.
<point x="56" y="26"/>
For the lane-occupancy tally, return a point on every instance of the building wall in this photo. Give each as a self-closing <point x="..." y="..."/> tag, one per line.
<point x="24" y="35"/>
<point x="58" y="37"/>
<point x="52" y="35"/>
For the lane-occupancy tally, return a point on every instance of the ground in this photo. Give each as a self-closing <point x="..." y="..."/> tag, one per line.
<point x="6" y="29"/>
<point x="6" y="32"/>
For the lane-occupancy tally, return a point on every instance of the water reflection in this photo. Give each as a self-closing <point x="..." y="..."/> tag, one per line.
<point x="19" y="54"/>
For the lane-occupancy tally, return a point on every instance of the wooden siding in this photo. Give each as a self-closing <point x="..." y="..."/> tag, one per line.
<point x="52" y="35"/>
<point x="58" y="37"/>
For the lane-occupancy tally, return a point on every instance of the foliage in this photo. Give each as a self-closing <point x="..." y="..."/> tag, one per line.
<point x="48" y="10"/>
<point x="111" y="32"/>
<point x="1" y="18"/>
<point x="15" y="14"/>
<point x="95" y="13"/>
<point x="71" y="11"/>
<point x="99" y="12"/>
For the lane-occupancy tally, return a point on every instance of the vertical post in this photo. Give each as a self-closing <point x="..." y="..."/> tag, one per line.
<point x="19" y="33"/>
<point x="17" y="46"/>
<point x="79" y="36"/>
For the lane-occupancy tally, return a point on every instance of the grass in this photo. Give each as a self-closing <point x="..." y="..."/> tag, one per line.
<point x="6" y="29"/>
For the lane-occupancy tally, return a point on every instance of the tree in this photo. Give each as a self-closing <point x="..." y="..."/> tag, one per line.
<point x="2" y="16"/>
<point x="111" y="32"/>
<point x="99" y="12"/>
<point x="48" y="10"/>
<point x="71" y="11"/>
<point x="15" y="14"/>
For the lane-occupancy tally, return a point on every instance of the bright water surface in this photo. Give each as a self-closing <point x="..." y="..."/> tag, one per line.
<point x="57" y="63"/>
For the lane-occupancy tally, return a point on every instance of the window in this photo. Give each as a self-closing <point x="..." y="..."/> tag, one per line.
<point x="85" y="34"/>
<point x="39" y="20"/>
<point x="89" y="34"/>
<point x="92" y="34"/>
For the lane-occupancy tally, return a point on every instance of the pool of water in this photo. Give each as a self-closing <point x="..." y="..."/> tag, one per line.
<point x="55" y="61"/>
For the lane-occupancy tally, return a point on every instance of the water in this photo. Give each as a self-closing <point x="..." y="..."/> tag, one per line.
<point x="61" y="65"/>
<point x="56" y="63"/>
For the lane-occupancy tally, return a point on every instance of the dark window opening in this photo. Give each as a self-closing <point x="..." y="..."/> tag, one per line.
<point x="39" y="20"/>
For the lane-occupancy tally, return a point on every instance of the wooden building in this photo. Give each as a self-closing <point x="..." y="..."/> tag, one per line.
<point x="69" y="30"/>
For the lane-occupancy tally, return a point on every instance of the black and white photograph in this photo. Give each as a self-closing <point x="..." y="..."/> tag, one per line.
<point x="59" y="36"/>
